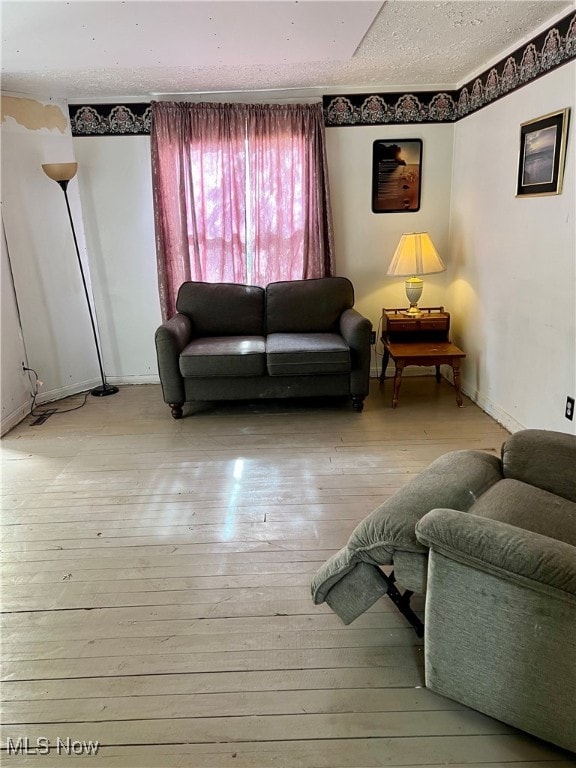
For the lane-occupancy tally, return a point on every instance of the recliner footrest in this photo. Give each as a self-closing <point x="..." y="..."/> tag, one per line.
<point x="357" y="591"/>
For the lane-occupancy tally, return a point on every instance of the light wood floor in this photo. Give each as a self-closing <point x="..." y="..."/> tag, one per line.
<point x="156" y="588"/>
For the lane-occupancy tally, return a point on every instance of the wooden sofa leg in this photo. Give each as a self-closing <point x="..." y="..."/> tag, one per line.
<point x="176" y="409"/>
<point x="358" y="404"/>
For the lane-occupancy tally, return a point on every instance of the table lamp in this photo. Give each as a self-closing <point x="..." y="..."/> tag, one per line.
<point x="415" y="255"/>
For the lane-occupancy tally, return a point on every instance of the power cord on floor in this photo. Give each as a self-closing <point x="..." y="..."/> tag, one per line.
<point x="50" y="411"/>
<point x="378" y="354"/>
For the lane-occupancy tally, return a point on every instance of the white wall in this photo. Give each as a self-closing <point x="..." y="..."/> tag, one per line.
<point x="53" y="312"/>
<point x="365" y="242"/>
<point x="116" y="192"/>
<point x="112" y="194"/>
<point x="513" y="260"/>
<point x="16" y="394"/>
<point x="505" y="256"/>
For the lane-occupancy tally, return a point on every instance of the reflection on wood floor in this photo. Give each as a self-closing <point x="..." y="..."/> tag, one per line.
<point x="156" y="588"/>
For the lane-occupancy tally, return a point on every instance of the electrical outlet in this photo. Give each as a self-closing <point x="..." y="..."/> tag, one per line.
<point x="372" y="337"/>
<point x="569" y="412"/>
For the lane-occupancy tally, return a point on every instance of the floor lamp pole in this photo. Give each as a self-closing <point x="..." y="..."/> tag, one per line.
<point x="69" y="171"/>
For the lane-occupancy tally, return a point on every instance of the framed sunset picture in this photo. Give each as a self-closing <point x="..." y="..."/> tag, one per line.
<point x="396" y="175"/>
<point x="542" y="155"/>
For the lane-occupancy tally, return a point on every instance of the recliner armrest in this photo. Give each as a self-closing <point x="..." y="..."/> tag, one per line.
<point x="171" y="338"/>
<point x="524" y="557"/>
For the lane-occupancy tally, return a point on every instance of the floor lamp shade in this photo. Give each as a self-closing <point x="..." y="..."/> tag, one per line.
<point x="62" y="173"/>
<point x="415" y="255"/>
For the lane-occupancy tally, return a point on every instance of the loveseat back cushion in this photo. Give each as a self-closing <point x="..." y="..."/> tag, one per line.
<point x="224" y="356"/>
<point x="304" y="354"/>
<point x="542" y="458"/>
<point x="307" y="306"/>
<point x="222" y="309"/>
<point x="529" y="508"/>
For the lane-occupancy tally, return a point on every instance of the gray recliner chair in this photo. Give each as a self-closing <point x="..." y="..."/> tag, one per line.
<point x="500" y="619"/>
<point x="353" y="579"/>
<point x="492" y="543"/>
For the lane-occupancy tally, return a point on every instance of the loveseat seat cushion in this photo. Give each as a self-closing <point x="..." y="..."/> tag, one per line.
<point x="222" y="309"/>
<point x="305" y="354"/>
<point x="224" y="356"/>
<point x="529" y="508"/>
<point x="304" y="306"/>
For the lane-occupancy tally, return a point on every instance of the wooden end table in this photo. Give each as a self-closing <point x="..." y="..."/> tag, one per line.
<point x="419" y="341"/>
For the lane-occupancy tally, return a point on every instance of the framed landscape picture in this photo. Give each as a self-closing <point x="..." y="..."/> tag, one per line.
<point x="396" y="175"/>
<point x="542" y="154"/>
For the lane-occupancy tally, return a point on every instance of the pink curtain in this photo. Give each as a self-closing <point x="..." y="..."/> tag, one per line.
<point x="240" y="194"/>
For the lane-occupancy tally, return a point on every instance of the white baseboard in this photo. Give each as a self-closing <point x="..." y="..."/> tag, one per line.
<point x="497" y="413"/>
<point x="118" y="381"/>
<point x="12" y="419"/>
<point x="18" y="414"/>
<point x="83" y="386"/>
<point x="483" y="402"/>
<point x="61" y="392"/>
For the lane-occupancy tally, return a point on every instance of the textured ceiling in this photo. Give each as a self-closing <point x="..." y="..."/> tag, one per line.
<point x="132" y="49"/>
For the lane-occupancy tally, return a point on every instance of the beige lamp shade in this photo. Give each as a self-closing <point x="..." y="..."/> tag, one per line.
<point x="415" y="255"/>
<point x="60" y="171"/>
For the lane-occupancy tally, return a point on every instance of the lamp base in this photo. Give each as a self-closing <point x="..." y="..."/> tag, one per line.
<point x="412" y="312"/>
<point x="413" y="288"/>
<point x="103" y="390"/>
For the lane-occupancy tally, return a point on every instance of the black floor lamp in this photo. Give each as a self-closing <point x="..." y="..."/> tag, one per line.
<point x="62" y="173"/>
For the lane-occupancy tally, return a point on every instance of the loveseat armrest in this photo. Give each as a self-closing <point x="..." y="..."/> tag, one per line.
<point x="355" y="329"/>
<point x="171" y="338"/>
<point x="523" y="557"/>
<point x="542" y="458"/>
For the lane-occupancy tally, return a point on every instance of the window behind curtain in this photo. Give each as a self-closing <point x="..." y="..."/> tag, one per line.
<point x="240" y="194"/>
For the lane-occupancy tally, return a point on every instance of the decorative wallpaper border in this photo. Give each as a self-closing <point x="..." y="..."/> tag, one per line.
<point x="552" y="48"/>
<point x="110" y="119"/>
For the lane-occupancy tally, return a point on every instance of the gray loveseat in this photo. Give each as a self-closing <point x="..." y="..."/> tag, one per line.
<point x="492" y="543"/>
<point x="291" y="339"/>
